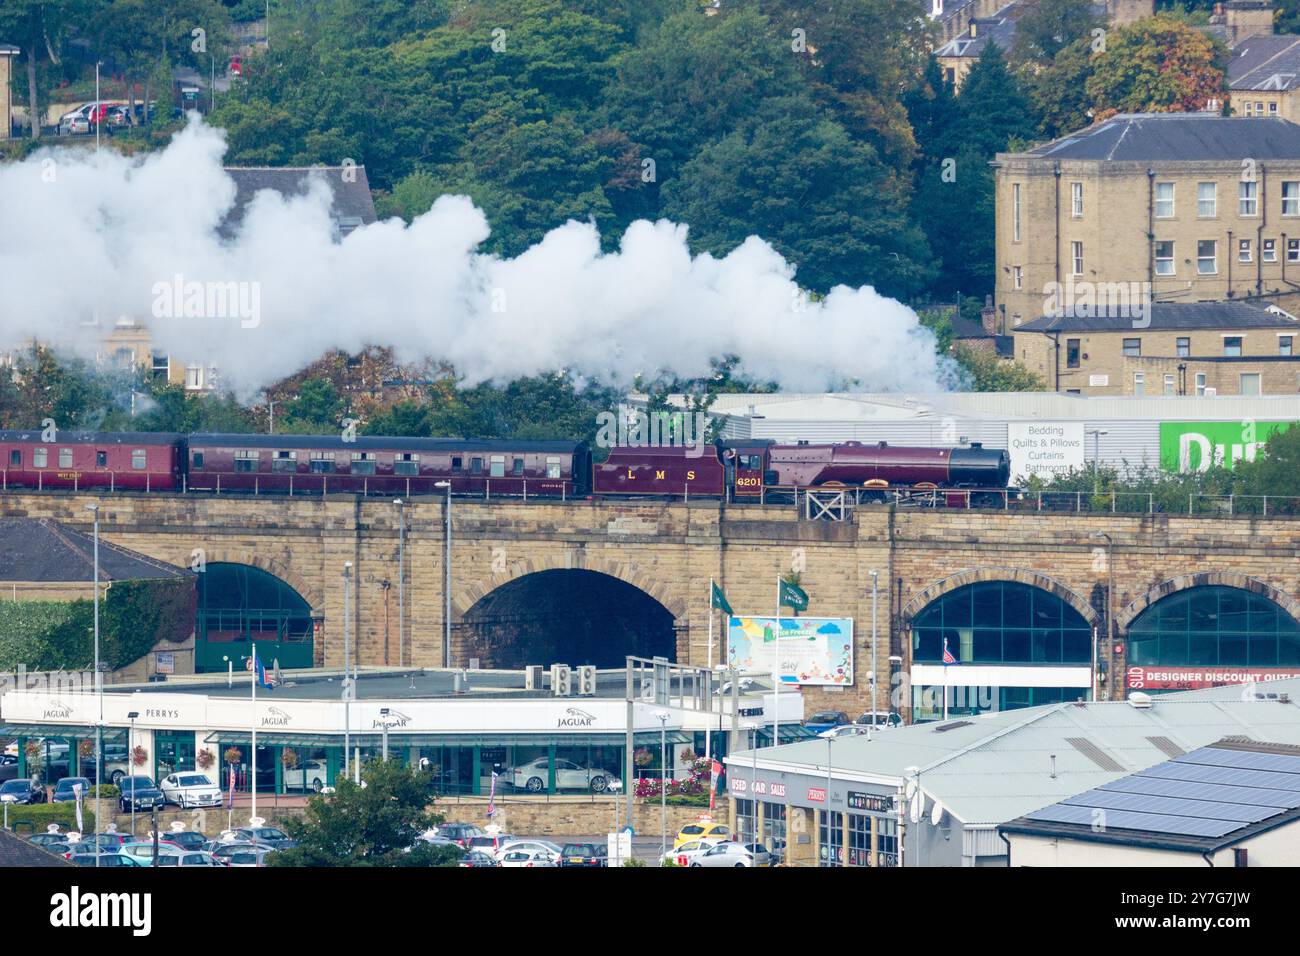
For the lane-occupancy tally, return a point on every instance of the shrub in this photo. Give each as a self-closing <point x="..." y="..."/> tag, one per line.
<point x="41" y="815"/>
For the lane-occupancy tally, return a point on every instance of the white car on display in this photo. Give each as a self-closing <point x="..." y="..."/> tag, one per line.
<point x="529" y="846"/>
<point x="523" y="858"/>
<point x="689" y="851"/>
<point x="533" y="777"/>
<point x="310" y="776"/>
<point x="734" y="854"/>
<point x="190" y="790"/>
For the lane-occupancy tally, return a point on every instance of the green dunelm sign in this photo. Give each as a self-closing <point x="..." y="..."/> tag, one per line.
<point x="1196" y="446"/>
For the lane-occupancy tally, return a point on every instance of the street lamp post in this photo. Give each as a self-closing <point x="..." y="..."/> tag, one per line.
<point x="446" y="578"/>
<point x="401" y="582"/>
<point x="662" y="716"/>
<point x="874" y="676"/>
<point x="1096" y="434"/>
<point x="130" y="738"/>
<point x="383" y="723"/>
<point x="347" y="667"/>
<point x="830" y="739"/>
<point x="99" y="676"/>
<point x="230" y="671"/>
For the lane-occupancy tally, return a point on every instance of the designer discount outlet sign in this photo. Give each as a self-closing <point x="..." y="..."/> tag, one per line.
<point x="1044" y="449"/>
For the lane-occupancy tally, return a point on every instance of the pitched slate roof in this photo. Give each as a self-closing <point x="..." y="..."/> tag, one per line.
<point x="15" y="851"/>
<point x="1265" y="63"/>
<point x="1167" y="316"/>
<point x="999" y="29"/>
<point x="1201" y="801"/>
<point x="1176" y="137"/>
<point x="353" y="204"/>
<point x="39" y="549"/>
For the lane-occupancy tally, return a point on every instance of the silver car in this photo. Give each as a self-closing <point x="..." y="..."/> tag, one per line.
<point x="189" y="789"/>
<point x="734" y="854"/>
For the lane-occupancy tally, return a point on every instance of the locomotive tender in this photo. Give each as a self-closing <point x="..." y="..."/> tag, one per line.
<point x="329" y="464"/>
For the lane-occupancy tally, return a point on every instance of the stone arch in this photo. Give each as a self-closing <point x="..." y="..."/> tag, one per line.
<point x="285" y="573"/>
<point x="465" y="598"/>
<point x="1182" y="582"/>
<point x="979" y="575"/>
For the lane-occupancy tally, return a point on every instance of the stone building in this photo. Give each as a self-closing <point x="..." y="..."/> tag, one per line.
<point x="1177" y="207"/>
<point x="1194" y="348"/>
<point x="1262" y="77"/>
<point x="7" y="55"/>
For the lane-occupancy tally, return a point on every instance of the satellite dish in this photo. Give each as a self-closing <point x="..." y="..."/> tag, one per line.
<point x="909" y="789"/>
<point x="918" y="807"/>
<point x="936" y="814"/>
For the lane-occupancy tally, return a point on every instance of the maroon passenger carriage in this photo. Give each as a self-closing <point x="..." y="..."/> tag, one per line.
<point x="116" y="461"/>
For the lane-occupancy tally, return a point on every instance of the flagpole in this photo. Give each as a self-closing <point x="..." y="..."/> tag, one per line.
<point x="776" y="658"/>
<point x="252" y="759"/>
<point x="708" y="750"/>
<point x="945" y="678"/>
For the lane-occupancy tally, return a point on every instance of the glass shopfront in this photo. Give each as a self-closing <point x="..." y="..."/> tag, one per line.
<point x="830" y="840"/>
<point x="1215" y="626"/>
<point x="1001" y="622"/>
<point x="173" y="752"/>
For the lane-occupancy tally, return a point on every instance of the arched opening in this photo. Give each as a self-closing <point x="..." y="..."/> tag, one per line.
<point x="565" y="616"/>
<point x="1210" y="634"/>
<point x="240" y="604"/>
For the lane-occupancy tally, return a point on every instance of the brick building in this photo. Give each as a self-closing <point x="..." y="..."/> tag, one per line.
<point x="1178" y="207"/>
<point x="1199" y="348"/>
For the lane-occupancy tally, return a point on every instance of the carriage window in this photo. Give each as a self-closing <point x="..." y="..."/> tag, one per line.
<point x="406" y="464"/>
<point x="39" y="457"/>
<point x="456" y="463"/>
<point x="552" y="466"/>
<point x="138" y="459"/>
<point x="476" y="466"/>
<point x="16" y="458"/>
<point x="198" y="459"/>
<point x="518" y="467"/>
<point x="285" y="461"/>
<point x="498" y="468"/>
<point x="322" y="462"/>
<point x="246" y="460"/>
<point x="363" y="463"/>
<point x="101" y="459"/>
<point x="65" y="457"/>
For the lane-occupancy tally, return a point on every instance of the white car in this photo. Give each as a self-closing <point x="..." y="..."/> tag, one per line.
<point x="529" y="846"/>
<point x="189" y="789"/>
<point x="689" y="851"/>
<point x="734" y="854"/>
<point x="527" y="858"/>
<point x="533" y="776"/>
<point x="310" y="776"/>
<point x="846" y="730"/>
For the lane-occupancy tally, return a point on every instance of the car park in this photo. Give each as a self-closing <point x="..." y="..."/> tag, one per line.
<point x="22" y="791"/>
<point x="529" y="846"/>
<point x="65" y="790"/>
<point x="581" y="854"/>
<point x="527" y="858"/>
<point x="688" y="851"/>
<point x="734" y="854"/>
<point x="139" y="793"/>
<point x="534" y="775"/>
<point x="702" y="831"/>
<point x="190" y="790"/>
<point x="825" y="720"/>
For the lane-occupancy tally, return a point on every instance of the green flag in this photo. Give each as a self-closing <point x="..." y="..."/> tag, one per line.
<point x="793" y="596"/>
<point x="719" y="600"/>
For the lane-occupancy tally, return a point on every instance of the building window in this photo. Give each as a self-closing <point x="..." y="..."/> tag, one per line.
<point x="1268" y="250"/>
<point x="1206" y="200"/>
<point x="1249" y="108"/>
<point x="1139" y="383"/>
<point x="552" y="466"/>
<point x="1272" y="107"/>
<point x="40" y="457"/>
<point x="1291" y="198"/>
<point x="1232" y="345"/>
<point x="1200" y="383"/>
<point x="1015" y="212"/>
<point x="1293" y="250"/>
<point x="830" y="845"/>
<point x="1284" y="344"/>
<point x="160" y="365"/>
<point x="1207" y="257"/>
<point x="1017" y="277"/>
<point x="1164" y="200"/>
<point x="1216" y="626"/>
<point x="1071" y="353"/>
<point x="139" y="459"/>
<point x="65" y="457"/>
<point x="1249" y="383"/>
<point x="1169" y="383"/>
<point x="1165" y="258"/>
<point x="1184" y="346"/>
<point x="1248" y="192"/>
<point x="194" y="376"/>
<point x="363" y="462"/>
<point x="246" y="460"/>
<point x="1076" y="258"/>
<point x="284" y="462"/>
<point x="1133" y="348"/>
<point x="1076" y="200"/>
<point x="1243" y="251"/>
<point x="497" y="466"/>
<point x="321" y="463"/>
<point x="997" y="622"/>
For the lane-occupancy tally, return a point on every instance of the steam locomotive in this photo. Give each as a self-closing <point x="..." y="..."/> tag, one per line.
<point x="330" y="464"/>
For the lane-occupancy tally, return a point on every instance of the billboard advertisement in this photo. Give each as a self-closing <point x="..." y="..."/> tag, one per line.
<point x="1196" y="446"/>
<point x="1192" y="677"/>
<point x="1044" y="449"/>
<point x="817" y="651"/>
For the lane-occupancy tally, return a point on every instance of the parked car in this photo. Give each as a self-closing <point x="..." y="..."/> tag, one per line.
<point x="847" y="730"/>
<point x="272" y="837"/>
<point x="688" y="851"/>
<point x="533" y="776"/>
<point x="190" y="790"/>
<point x="702" y="831"/>
<point x="186" y="859"/>
<point x="141" y="851"/>
<point x="65" y="789"/>
<point x="478" y="858"/>
<point x="458" y="833"/>
<point x="310" y="776"/>
<point x="21" y="790"/>
<point x="105" y="859"/>
<point x="825" y="720"/>
<point x="139" y="793"/>
<point x="581" y="854"/>
<point x="526" y="858"/>
<point x="78" y="121"/>
<point x="8" y="767"/>
<point x="187" y="839"/>
<point x="529" y="846"/>
<point x="879" y="720"/>
<point x="734" y="854"/>
<point x="241" y="854"/>
<point x="113" y="841"/>
<point x="47" y="840"/>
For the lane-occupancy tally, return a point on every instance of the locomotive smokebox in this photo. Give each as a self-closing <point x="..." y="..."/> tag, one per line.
<point x="980" y="467"/>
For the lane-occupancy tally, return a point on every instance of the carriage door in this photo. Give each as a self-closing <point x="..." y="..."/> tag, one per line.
<point x="749" y="473"/>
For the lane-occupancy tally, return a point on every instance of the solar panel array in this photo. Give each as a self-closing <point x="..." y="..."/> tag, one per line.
<point x="1209" y="792"/>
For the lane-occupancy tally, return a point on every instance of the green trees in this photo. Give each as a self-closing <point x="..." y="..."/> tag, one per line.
<point x="1158" y="64"/>
<point x="378" y="824"/>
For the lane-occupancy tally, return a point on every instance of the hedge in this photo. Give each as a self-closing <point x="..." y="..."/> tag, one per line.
<point x="39" y="816"/>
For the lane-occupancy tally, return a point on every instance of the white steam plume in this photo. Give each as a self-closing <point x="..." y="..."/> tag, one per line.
<point x="88" y="237"/>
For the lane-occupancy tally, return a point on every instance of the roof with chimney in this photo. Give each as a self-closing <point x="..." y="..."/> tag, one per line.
<point x="353" y="205"/>
<point x="1000" y="29"/>
<point x="1170" y="316"/>
<point x="43" y="550"/>
<point x="1265" y="63"/>
<point x="1175" y="137"/>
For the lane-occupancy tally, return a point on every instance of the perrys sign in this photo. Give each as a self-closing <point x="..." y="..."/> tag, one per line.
<point x="1191" y="678"/>
<point x="1196" y="446"/>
